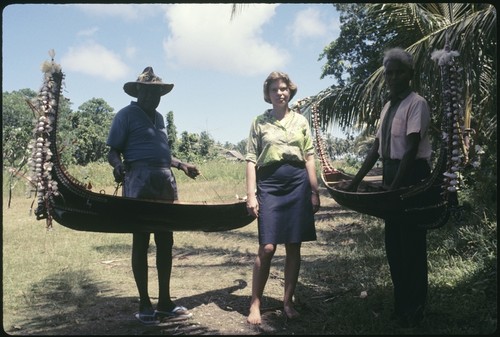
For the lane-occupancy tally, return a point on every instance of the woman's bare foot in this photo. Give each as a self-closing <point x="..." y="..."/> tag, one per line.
<point x="290" y="312"/>
<point x="254" y="316"/>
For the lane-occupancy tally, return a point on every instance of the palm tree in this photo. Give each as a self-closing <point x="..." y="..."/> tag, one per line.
<point x="422" y="28"/>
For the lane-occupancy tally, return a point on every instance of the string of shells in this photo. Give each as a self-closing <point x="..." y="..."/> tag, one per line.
<point x="45" y="107"/>
<point x="453" y="109"/>
<point x="320" y="144"/>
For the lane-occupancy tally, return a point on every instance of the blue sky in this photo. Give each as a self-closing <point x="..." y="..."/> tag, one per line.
<point x="217" y="65"/>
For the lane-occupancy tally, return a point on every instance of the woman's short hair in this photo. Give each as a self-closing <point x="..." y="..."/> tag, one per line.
<point x="278" y="75"/>
<point x="398" y="54"/>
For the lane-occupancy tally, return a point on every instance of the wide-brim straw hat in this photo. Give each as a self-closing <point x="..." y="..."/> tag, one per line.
<point x="147" y="77"/>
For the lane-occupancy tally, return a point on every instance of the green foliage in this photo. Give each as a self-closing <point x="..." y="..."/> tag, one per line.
<point x="242" y="146"/>
<point x="82" y="134"/>
<point x="187" y="146"/>
<point x="194" y="147"/>
<point x="355" y="54"/>
<point x="206" y="148"/>
<point x="171" y="133"/>
<point x="17" y="126"/>
<point x="354" y="59"/>
<point x="90" y="125"/>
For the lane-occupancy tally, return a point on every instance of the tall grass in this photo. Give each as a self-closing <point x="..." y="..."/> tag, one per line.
<point x="219" y="180"/>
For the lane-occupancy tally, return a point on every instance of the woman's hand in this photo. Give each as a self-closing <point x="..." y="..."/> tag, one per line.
<point x="315" y="202"/>
<point x="253" y="205"/>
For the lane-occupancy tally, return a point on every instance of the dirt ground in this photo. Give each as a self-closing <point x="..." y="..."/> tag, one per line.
<point x="214" y="285"/>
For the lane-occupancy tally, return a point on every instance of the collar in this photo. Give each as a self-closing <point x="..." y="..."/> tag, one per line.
<point x="400" y="96"/>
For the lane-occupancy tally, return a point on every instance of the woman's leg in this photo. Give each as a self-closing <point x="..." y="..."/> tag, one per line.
<point x="261" y="269"/>
<point x="292" y="268"/>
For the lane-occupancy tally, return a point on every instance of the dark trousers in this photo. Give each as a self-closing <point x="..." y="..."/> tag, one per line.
<point x="406" y="249"/>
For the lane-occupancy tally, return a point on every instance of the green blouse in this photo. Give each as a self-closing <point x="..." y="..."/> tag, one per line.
<point x="271" y="141"/>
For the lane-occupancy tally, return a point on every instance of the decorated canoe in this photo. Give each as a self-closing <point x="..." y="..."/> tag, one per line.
<point x="67" y="201"/>
<point x="428" y="202"/>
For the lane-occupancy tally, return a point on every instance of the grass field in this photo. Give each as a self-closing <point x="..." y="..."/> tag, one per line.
<point x="66" y="282"/>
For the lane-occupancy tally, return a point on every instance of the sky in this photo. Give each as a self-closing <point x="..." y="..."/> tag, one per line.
<point x="217" y="64"/>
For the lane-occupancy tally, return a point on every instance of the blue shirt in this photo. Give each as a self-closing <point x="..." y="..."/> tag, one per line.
<point x="138" y="138"/>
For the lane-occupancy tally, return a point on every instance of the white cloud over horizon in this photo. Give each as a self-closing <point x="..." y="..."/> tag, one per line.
<point x="94" y="59"/>
<point x="134" y="12"/>
<point x="204" y="37"/>
<point x="307" y="24"/>
<point x="198" y="36"/>
<point x="102" y="46"/>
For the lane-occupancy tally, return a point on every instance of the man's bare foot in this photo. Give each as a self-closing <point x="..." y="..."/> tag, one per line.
<point x="254" y="316"/>
<point x="290" y="312"/>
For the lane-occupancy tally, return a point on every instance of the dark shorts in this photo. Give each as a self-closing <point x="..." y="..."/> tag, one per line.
<point x="156" y="183"/>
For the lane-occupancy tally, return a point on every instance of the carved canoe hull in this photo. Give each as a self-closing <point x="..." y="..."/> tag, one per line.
<point x="422" y="204"/>
<point x="127" y="215"/>
<point x="67" y="201"/>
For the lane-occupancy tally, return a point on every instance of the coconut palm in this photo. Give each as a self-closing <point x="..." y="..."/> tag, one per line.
<point x="421" y="29"/>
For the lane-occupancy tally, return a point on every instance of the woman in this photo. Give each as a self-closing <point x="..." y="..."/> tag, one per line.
<point x="282" y="189"/>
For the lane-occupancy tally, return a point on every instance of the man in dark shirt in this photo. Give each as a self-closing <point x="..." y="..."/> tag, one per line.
<point x="138" y="135"/>
<point x="402" y="142"/>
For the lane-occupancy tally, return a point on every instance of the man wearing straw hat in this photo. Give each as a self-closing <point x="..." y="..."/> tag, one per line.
<point x="138" y="136"/>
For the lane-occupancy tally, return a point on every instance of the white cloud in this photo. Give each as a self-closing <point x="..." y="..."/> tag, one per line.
<point x="87" y="32"/>
<point x="204" y="37"/>
<point x="308" y="24"/>
<point x="123" y="11"/>
<point x="95" y="60"/>
<point x="130" y="51"/>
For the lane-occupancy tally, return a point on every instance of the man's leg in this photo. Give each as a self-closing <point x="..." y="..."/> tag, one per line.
<point x="164" y="243"/>
<point x="140" y="247"/>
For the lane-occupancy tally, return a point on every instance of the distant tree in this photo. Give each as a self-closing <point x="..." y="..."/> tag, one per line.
<point x="18" y="121"/>
<point x="17" y="126"/>
<point x="90" y="125"/>
<point x="187" y="149"/>
<point x="206" y="147"/>
<point x="171" y="132"/>
<point x="242" y="146"/>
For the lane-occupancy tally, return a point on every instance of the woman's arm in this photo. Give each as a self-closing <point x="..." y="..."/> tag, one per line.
<point x="251" y="177"/>
<point x="313" y="180"/>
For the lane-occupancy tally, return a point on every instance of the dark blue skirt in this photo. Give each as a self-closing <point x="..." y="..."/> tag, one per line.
<point x="285" y="209"/>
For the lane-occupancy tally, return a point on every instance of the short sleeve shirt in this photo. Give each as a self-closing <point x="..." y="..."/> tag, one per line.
<point x="271" y="140"/>
<point x="139" y="138"/>
<point x="411" y="116"/>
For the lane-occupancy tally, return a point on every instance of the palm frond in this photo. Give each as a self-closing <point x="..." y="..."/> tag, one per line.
<point x="467" y="28"/>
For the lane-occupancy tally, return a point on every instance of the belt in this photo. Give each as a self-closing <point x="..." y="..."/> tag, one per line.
<point x="133" y="165"/>
<point x="395" y="161"/>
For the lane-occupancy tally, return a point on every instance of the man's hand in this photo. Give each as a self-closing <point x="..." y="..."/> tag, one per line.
<point x="349" y="186"/>
<point x="190" y="170"/>
<point x="119" y="172"/>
